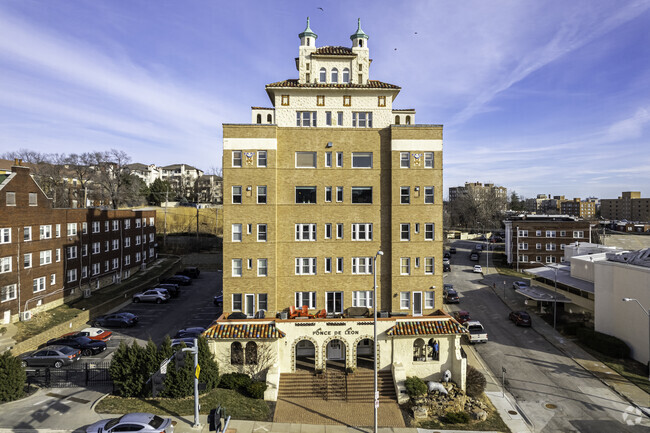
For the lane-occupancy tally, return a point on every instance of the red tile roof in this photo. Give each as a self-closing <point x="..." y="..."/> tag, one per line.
<point x="372" y="84"/>
<point x="243" y="331"/>
<point x="335" y="51"/>
<point x="426" y="327"/>
<point x="262" y="108"/>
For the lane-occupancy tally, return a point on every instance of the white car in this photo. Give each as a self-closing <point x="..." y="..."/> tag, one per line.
<point x="152" y="295"/>
<point x="445" y="261"/>
<point x="478" y="269"/>
<point x="477" y="333"/>
<point x="133" y="422"/>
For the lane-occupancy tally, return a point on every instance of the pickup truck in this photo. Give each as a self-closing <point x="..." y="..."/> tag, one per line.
<point x="477" y="333"/>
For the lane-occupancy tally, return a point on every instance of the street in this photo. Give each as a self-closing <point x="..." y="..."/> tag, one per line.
<point x="551" y="389"/>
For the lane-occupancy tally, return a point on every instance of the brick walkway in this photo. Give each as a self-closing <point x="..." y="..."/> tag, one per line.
<point x="318" y="411"/>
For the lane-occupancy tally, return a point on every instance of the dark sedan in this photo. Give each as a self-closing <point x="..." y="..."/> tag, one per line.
<point x="521" y="318"/>
<point x="181" y="280"/>
<point x="50" y="356"/>
<point x="87" y="346"/>
<point x="190" y="332"/>
<point x="190" y="271"/>
<point x="121" y="320"/>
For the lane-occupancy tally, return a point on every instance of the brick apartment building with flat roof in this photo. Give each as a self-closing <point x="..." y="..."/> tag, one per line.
<point x="629" y="206"/>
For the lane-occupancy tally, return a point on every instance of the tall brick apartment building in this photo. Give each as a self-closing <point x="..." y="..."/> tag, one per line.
<point x="542" y="238"/>
<point x="49" y="255"/>
<point x="629" y="206"/>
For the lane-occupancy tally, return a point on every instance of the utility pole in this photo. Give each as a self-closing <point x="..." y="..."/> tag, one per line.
<point x="165" y="224"/>
<point x="197" y="228"/>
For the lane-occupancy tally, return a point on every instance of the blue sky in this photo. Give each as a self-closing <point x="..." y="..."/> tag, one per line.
<point x="538" y="96"/>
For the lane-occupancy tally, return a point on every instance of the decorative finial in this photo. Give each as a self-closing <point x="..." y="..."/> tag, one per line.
<point x="359" y="33"/>
<point x="308" y="31"/>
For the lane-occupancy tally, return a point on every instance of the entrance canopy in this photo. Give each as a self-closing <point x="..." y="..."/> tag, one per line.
<point x="542" y="295"/>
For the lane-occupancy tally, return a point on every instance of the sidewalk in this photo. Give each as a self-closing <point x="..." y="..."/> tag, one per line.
<point x="606" y="375"/>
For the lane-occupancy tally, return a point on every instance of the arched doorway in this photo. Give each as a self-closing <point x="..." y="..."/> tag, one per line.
<point x="335" y="354"/>
<point x="365" y="354"/>
<point x="305" y="353"/>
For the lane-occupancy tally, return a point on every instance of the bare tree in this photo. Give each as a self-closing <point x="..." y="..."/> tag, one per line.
<point x="111" y="172"/>
<point x="81" y="166"/>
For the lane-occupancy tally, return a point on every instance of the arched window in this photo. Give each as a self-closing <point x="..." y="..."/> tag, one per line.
<point x="259" y="118"/>
<point x="346" y="75"/>
<point x="418" y="350"/>
<point x="433" y="350"/>
<point x="396" y="120"/>
<point x="408" y="120"/>
<point x="335" y="75"/>
<point x="361" y="43"/>
<point x="323" y="75"/>
<point x="236" y="354"/>
<point x="251" y="353"/>
<point x="269" y="118"/>
<point x="308" y="42"/>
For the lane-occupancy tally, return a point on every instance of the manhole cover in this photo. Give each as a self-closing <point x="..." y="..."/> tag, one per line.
<point x="550" y="406"/>
<point x="513" y="412"/>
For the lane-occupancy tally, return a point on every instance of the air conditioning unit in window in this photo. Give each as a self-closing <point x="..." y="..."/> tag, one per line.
<point x="87" y="293"/>
<point x="25" y="316"/>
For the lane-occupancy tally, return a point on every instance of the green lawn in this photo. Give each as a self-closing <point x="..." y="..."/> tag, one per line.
<point x="44" y="320"/>
<point x="237" y="405"/>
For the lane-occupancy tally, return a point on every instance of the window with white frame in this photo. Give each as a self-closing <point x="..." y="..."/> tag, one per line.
<point x="151" y="252"/>
<point x="428" y="159"/>
<point x="305" y="265"/>
<point x="551" y="247"/>
<point x="151" y="237"/>
<point x="305" y="232"/>
<point x="236" y="233"/>
<point x="361" y="159"/>
<point x="27" y="234"/>
<point x="96" y="227"/>
<point x="550" y="233"/>
<point x="236" y="302"/>
<point x="429" y="231"/>
<point x="27" y="260"/>
<point x="339" y="231"/>
<point x="328" y="231"/>
<point x="404" y="159"/>
<point x="362" y="232"/>
<point x="39" y="284"/>
<point x="262" y="301"/>
<point x="45" y="257"/>
<point x="137" y="239"/>
<point x="138" y="224"/>
<point x="262" y="267"/>
<point x="305" y="118"/>
<point x="5" y="265"/>
<point x="578" y="234"/>
<point x="96" y="268"/>
<point x="339" y="265"/>
<point x="236" y="158"/>
<point x="362" y="119"/>
<point x="11" y="199"/>
<point x="523" y="258"/>
<point x="97" y="248"/>
<point x="33" y="199"/>
<point x="550" y="259"/>
<point x="8" y="293"/>
<point x="405" y="265"/>
<point x="261" y="158"/>
<point x="563" y="233"/>
<point x="236" y="194"/>
<point x="429" y="300"/>
<point x="538" y="233"/>
<point x="84" y="227"/>
<point x="116" y="244"/>
<point x="405" y="232"/>
<point x="116" y="224"/>
<point x="429" y="266"/>
<point x="261" y="233"/>
<point x="84" y="272"/>
<point x="72" y="229"/>
<point x="328" y="159"/>
<point x="57" y="254"/>
<point x="236" y="267"/>
<point x="107" y="265"/>
<point x="5" y="235"/>
<point x="305" y="159"/>
<point x="261" y="194"/>
<point x="127" y="242"/>
<point x="523" y="233"/>
<point x="116" y="262"/>
<point x="417" y="228"/>
<point x="405" y="194"/>
<point x="328" y="265"/>
<point x="361" y="265"/>
<point x="305" y="194"/>
<point x="339" y="159"/>
<point x="127" y="260"/>
<point x="305" y="298"/>
<point x="362" y="298"/>
<point x="339" y="194"/>
<point x="328" y="194"/>
<point x="522" y="246"/>
<point x="538" y="246"/>
<point x="405" y="300"/>
<point x="151" y="221"/>
<point x="72" y="275"/>
<point x="562" y="246"/>
<point x="127" y="223"/>
<point x="429" y="194"/>
<point x="71" y="252"/>
<point x="45" y="231"/>
<point x="138" y="257"/>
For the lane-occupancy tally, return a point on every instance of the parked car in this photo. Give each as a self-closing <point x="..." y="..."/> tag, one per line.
<point x="446" y="267"/>
<point x="477" y="333"/>
<point x="452" y="250"/>
<point x="519" y="285"/>
<point x="474" y="256"/>
<point x="190" y="271"/>
<point x="478" y="269"/>
<point x="461" y="316"/>
<point x="190" y="332"/>
<point x="450" y="296"/>
<point x="446" y="255"/>
<point x="87" y="346"/>
<point x="50" y="356"/>
<point x="181" y="280"/>
<point x="153" y="295"/>
<point x="445" y="261"/>
<point x="173" y="289"/>
<point x="521" y="318"/>
<point x="122" y="320"/>
<point x="478" y="247"/>
<point x="189" y="342"/>
<point x="218" y="300"/>
<point x="97" y="334"/>
<point x="132" y="422"/>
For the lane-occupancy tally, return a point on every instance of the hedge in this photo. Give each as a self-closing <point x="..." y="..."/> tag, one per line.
<point x="603" y="343"/>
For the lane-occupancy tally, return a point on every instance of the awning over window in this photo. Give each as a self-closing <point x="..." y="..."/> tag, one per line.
<point x="244" y="331"/>
<point x="542" y="295"/>
<point x="427" y="327"/>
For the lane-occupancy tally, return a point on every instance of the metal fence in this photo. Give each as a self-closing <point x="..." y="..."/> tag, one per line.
<point x="81" y="375"/>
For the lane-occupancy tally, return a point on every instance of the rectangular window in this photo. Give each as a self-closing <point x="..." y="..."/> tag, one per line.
<point x="236" y="268"/>
<point x="339" y="116"/>
<point x="72" y="275"/>
<point x="550" y="259"/>
<point x="262" y="267"/>
<point x="328" y="265"/>
<point x="127" y="261"/>
<point x="429" y="268"/>
<point x="362" y="298"/>
<point x="116" y="224"/>
<point x="261" y="233"/>
<point x="305" y="232"/>
<point x="538" y="246"/>
<point x="57" y="230"/>
<point x="39" y="284"/>
<point x="236" y="194"/>
<point x="72" y="252"/>
<point x="404" y="159"/>
<point x="405" y="194"/>
<point x="45" y="257"/>
<point x="328" y="194"/>
<point x="285" y="100"/>
<point x="405" y="232"/>
<point x="328" y="231"/>
<point x="523" y="233"/>
<point x="328" y="159"/>
<point x="262" y="303"/>
<point x="550" y="233"/>
<point x="578" y="234"/>
<point x="96" y="248"/>
<point x="551" y="247"/>
<point x="429" y="231"/>
<point x="562" y="233"/>
<point x="320" y="100"/>
<point x="57" y="254"/>
<point x="46" y="232"/>
<point x="84" y="228"/>
<point x="72" y="229"/>
<point x="429" y="300"/>
<point x="96" y="227"/>
<point x="361" y="265"/>
<point x="362" y="119"/>
<point x="428" y="194"/>
<point x="361" y="159"/>
<point x="347" y="100"/>
<point x="261" y="195"/>
<point x="5" y="264"/>
<point x="305" y="118"/>
<point x="27" y="234"/>
<point x="305" y="298"/>
<point x="305" y="265"/>
<point x="236" y="233"/>
<point x="261" y="158"/>
<point x="127" y="224"/>
<point x="7" y="293"/>
<point x="305" y="194"/>
<point x="428" y="159"/>
<point x="84" y="272"/>
<point x="33" y="199"/>
<point x="405" y="266"/>
<point x="116" y="243"/>
<point x="11" y="199"/>
<point x="405" y="300"/>
<point x="523" y="258"/>
<point x="339" y="265"/>
<point x="107" y="266"/>
<point x="328" y="118"/>
<point x="339" y="159"/>
<point x="27" y="261"/>
<point x="151" y="237"/>
<point x="417" y="228"/>
<point x="127" y="242"/>
<point x="362" y="194"/>
<point x="138" y="257"/>
<point x="339" y="194"/>
<point x="305" y="159"/>
<point x="339" y="231"/>
<point x="381" y="101"/>
<point x="236" y="301"/>
<point x="249" y="229"/>
<point x="362" y="232"/>
<point x="522" y="246"/>
<point x="116" y="262"/>
<point x="538" y="233"/>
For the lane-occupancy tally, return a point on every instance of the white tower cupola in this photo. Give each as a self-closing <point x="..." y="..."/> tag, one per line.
<point x="361" y="66"/>
<point x="308" y="37"/>
<point x="303" y="63"/>
<point x="359" y="38"/>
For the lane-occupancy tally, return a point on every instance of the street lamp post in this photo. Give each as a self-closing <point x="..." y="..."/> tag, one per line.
<point x="647" y="314"/>
<point x="374" y="323"/>
<point x="555" y="295"/>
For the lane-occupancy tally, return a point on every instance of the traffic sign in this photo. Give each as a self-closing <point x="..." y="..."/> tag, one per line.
<point x="197" y="371"/>
<point x="377" y="403"/>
